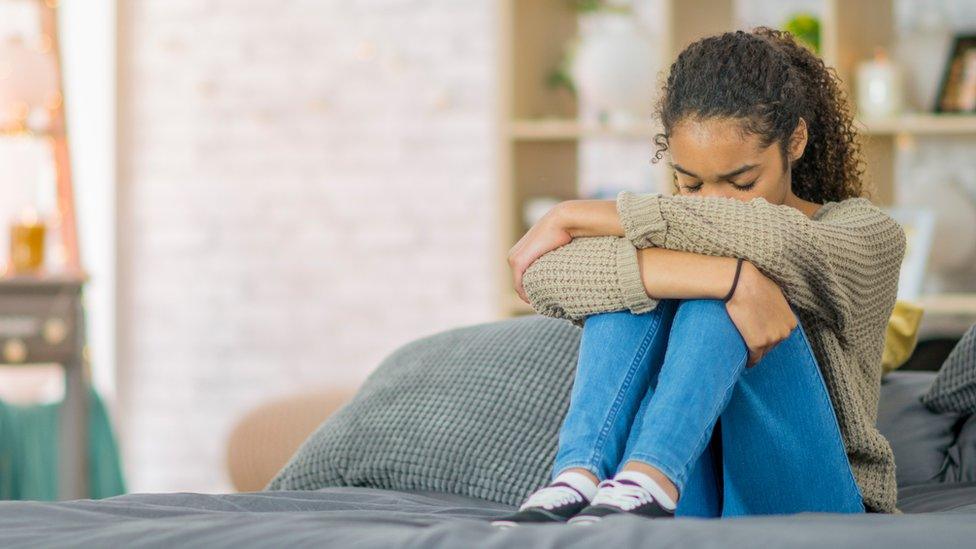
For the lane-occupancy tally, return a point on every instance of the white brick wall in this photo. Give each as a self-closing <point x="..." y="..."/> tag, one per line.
<point x="304" y="186"/>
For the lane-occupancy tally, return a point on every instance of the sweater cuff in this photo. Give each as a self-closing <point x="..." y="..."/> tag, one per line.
<point x="640" y="216"/>
<point x="632" y="291"/>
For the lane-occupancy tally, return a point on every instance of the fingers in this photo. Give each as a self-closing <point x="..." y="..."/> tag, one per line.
<point x="519" y="260"/>
<point x="517" y="272"/>
<point x="520" y="289"/>
<point x="755" y="355"/>
<point x="515" y="249"/>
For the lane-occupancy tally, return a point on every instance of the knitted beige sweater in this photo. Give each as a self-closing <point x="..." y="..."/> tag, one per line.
<point x="838" y="270"/>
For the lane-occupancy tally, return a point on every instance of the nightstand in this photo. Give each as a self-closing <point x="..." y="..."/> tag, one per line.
<point x="42" y="321"/>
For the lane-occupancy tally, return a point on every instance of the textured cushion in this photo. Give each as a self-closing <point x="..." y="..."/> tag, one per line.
<point x="919" y="437"/>
<point x="954" y="389"/>
<point x="961" y="463"/>
<point x="901" y="335"/>
<point x="473" y="411"/>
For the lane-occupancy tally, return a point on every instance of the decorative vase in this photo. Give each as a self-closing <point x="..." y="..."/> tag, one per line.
<point x="614" y="68"/>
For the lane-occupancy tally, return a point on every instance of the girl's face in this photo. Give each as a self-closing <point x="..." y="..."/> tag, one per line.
<point x="714" y="157"/>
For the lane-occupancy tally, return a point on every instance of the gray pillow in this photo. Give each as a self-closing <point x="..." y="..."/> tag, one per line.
<point x="954" y="388"/>
<point x="961" y="463"/>
<point x="473" y="411"/>
<point x="919" y="438"/>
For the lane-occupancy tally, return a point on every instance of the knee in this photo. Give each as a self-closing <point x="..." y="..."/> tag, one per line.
<point x="604" y="319"/>
<point x="617" y="320"/>
<point x="708" y="320"/>
<point x="699" y="313"/>
<point x="704" y="306"/>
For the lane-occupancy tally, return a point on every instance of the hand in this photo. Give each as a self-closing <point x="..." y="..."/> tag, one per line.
<point x="760" y="312"/>
<point x="546" y="235"/>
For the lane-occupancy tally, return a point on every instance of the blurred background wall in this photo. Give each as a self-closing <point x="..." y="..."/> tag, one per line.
<point x="303" y="186"/>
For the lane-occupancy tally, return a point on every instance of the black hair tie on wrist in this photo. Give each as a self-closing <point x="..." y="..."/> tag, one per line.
<point x="735" y="281"/>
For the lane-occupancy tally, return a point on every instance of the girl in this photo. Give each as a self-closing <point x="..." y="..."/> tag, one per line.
<point x="730" y="359"/>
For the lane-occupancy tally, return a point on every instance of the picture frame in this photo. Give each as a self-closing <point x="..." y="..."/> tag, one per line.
<point x="919" y="226"/>
<point x="957" y="90"/>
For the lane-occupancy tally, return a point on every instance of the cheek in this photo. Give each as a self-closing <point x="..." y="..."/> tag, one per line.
<point x="773" y="186"/>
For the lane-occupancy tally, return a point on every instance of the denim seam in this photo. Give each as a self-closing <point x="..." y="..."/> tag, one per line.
<point x="682" y="474"/>
<point x="699" y="446"/>
<point x="615" y="408"/>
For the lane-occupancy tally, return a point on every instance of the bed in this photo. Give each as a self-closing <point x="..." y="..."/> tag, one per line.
<point x="936" y="516"/>
<point x="935" y="455"/>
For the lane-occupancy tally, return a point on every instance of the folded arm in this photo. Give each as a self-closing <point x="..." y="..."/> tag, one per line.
<point x="823" y="266"/>
<point x="607" y="273"/>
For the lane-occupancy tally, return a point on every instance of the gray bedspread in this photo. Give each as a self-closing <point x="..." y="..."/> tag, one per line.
<point x="938" y="516"/>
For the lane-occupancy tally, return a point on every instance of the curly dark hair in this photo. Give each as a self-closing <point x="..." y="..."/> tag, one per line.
<point x="769" y="81"/>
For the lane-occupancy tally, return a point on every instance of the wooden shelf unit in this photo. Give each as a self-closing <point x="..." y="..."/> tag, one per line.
<point x="909" y="124"/>
<point x="921" y="124"/>
<point x="538" y="130"/>
<point x="54" y="298"/>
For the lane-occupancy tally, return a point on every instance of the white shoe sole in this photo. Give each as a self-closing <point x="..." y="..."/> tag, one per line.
<point x="583" y="520"/>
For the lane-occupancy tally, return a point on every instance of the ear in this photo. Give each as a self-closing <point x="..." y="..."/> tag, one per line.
<point x="798" y="141"/>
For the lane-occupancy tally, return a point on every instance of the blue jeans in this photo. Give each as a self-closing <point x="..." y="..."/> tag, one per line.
<point x="656" y="387"/>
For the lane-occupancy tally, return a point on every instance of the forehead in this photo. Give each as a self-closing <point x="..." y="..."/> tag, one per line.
<point x="714" y="145"/>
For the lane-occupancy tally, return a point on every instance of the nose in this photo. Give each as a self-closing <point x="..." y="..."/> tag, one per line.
<point x="715" y="190"/>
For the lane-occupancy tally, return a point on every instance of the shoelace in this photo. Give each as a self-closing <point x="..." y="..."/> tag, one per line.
<point x="623" y="496"/>
<point x="552" y="496"/>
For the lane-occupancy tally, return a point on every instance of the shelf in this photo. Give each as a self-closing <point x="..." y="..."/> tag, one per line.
<point x="30" y="134"/>
<point x="921" y="124"/>
<point x="540" y="131"/>
<point x="944" y="314"/>
<point x="58" y="278"/>
<point x="555" y="129"/>
<point x="962" y="304"/>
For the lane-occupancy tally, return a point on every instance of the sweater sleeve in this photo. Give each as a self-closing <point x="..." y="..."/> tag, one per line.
<point x="825" y="267"/>
<point x="589" y="275"/>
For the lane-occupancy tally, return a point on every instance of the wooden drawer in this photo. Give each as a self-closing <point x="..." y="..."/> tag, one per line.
<point x="37" y="327"/>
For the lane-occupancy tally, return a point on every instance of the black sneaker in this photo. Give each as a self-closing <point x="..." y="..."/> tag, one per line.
<point x="553" y="503"/>
<point x="621" y="496"/>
